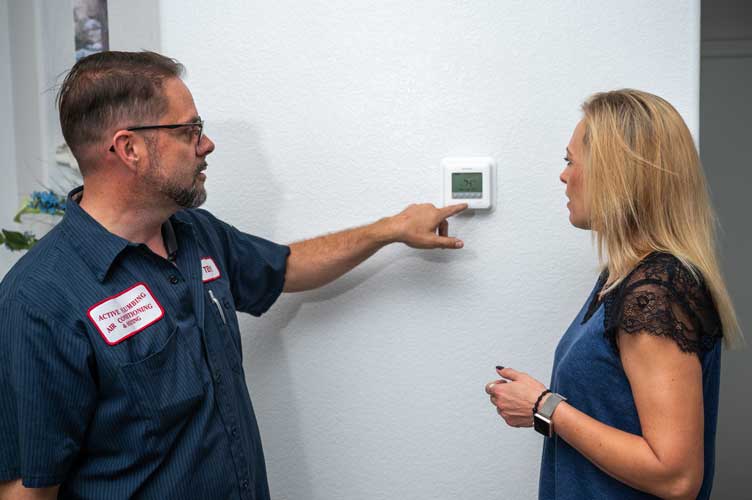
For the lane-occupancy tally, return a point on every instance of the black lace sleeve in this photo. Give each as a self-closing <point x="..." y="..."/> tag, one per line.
<point x="661" y="297"/>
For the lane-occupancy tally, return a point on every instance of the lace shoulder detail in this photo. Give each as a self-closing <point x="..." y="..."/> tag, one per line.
<point x="662" y="297"/>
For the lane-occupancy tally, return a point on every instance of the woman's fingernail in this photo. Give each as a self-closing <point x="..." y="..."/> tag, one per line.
<point x="499" y="367"/>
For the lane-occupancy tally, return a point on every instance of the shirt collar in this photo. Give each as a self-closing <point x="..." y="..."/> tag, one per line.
<point x="170" y="240"/>
<point x="98" y="247"/>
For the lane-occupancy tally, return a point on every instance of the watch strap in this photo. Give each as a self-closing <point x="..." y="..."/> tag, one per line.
<point x="550" y="404"/>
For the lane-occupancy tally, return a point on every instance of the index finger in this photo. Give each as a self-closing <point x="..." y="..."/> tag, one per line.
<point x="451" y="210"/>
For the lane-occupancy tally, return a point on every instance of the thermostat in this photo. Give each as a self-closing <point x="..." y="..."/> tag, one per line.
<point x="469" y="180"/>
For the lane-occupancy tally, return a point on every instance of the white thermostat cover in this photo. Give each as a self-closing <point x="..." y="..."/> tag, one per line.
<point x="469" y="180"/>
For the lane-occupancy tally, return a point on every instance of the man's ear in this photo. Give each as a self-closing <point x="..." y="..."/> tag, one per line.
<point x="129" y="148"/>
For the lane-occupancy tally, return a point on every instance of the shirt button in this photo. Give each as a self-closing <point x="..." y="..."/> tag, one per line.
<point x="173" y="279"/>
<point x="234" y="432"/>
<point x="218" y="377"/>
<point x="244" y="484"/>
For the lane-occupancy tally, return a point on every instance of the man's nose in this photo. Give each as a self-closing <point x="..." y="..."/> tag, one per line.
<point x="205" y="147"/>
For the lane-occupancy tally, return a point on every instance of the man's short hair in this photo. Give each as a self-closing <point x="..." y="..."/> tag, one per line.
<point x="113" y="88"/>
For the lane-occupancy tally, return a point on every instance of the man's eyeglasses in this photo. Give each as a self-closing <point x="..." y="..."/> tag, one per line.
<point x="198" y="124"/>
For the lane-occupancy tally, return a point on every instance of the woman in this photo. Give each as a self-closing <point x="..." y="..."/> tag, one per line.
<point x="633" y="400"/>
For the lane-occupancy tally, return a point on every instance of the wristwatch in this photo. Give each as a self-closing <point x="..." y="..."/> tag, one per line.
<point x="542" y="418"/>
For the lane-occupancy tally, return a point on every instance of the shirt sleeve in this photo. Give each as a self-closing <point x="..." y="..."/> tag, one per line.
<point x="665" y="299"/>
<point x="256" y="268"/>
<point x="48" y="396"/>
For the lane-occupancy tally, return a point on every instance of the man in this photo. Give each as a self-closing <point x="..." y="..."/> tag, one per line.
<point x="121" y="366"/>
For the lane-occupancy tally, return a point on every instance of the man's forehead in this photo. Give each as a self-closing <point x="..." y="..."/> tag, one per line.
<point x="180" y="101"/>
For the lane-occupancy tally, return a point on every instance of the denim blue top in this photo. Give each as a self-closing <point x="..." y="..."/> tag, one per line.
<point x="121" y="371"/>
<point x="588" y="370"/>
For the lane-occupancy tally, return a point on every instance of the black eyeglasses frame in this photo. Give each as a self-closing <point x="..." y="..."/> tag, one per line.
<point x="171" y="126"/>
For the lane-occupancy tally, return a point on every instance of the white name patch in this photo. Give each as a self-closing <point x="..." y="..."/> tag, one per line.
<point x="124" y="315"/>
<point x="209" y="270"/>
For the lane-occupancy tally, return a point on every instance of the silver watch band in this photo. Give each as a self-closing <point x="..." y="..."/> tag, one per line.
<point x="550" y="404"/>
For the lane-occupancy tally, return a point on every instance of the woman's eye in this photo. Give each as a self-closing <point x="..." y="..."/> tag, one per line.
<point x="566" y="159"/>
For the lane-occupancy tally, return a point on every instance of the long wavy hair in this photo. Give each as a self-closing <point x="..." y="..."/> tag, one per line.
<point x="648" y="192"/>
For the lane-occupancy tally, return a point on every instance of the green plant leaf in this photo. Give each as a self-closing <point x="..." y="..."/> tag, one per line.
<point x="16" y="240"/>
<point x="25" y="210"/>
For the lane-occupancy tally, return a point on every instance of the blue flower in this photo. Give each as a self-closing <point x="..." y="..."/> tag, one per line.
<point x="47" y="202"/>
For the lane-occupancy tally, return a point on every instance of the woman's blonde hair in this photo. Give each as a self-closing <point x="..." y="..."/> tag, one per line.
<point x="646" y="192"/>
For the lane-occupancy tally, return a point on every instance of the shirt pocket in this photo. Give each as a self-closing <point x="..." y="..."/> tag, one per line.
<point x="166" y="386"/>
<point x="221" y="303"/>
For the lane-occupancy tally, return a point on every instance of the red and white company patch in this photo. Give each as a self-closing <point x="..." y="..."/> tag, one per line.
<point x="124" y="315"/>
<point x="209" y="270"/>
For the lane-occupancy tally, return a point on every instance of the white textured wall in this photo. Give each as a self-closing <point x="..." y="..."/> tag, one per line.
<point x="329" y="114"/>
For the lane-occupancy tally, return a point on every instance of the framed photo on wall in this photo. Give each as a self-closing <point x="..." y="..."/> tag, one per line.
<point x="92" y="34"/>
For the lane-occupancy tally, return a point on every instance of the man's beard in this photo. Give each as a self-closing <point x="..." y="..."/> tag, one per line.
<point x="191" y="197"/>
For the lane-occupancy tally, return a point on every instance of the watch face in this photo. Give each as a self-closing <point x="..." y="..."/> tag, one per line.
<point x="542" y="424"/>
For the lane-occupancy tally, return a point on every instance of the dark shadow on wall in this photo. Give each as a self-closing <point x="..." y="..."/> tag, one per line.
<point x="725" y="149"/>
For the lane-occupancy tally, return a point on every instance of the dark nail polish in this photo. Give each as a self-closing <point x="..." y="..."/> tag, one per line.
<point x="499" y="367"/>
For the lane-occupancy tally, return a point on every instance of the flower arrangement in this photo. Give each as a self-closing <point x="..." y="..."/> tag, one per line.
<point x="40" y="202"/>
<point x="46" y="203"/>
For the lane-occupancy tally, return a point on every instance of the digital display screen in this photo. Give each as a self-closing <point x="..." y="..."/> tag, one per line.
<point x="464" y="184"/>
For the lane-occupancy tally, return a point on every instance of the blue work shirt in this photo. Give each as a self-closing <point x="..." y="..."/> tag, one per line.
<point x="121" y="371"/>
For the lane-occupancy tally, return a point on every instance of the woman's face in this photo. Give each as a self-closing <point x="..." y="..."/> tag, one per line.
<point x="573" y="176"/>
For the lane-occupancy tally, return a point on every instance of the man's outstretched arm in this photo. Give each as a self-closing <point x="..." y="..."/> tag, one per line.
<point x="315" y="262"/>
